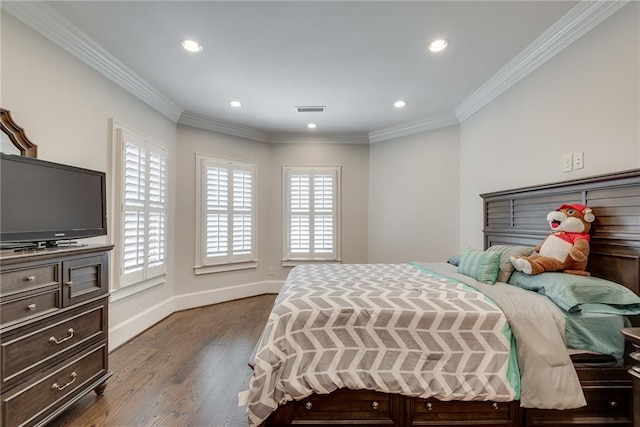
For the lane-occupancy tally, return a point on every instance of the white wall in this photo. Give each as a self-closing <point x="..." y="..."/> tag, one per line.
<point x="193" y="290"/>
<point x="584" y="99"/>
<point x="354" y="162"/>
<point x="414" y="198"/>
<point x="65" y="108"/>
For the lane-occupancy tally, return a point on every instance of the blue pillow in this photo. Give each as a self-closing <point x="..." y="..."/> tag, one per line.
<point x="482" y="266"/>
<point x="571" y="291"/>
<point x="454" y="260"/>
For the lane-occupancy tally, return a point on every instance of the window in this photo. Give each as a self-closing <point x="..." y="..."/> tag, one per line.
<point x="142" y="198"/>
<point x="226" y="215"/>
<point x="312" y="212"/>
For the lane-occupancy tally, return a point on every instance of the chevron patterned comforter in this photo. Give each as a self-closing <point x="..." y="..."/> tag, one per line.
<point x="394" y="328"/>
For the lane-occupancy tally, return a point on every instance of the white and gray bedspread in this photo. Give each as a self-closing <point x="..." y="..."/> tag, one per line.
<point x="409" y="329"/>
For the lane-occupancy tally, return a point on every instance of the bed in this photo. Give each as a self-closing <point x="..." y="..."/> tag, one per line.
<point x="400" y="386"/>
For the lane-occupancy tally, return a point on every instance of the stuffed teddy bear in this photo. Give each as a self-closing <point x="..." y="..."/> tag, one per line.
<point x="567" y="248"/>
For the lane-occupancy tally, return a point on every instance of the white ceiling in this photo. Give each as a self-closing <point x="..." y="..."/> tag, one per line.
<point x="356" y="58"/>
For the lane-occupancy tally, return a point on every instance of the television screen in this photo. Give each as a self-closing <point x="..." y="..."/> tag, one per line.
<point x="45" y="202"/>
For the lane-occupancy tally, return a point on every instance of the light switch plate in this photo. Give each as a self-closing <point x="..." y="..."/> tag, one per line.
<point x="567" y="162"/>
<point x="578" y="160"/>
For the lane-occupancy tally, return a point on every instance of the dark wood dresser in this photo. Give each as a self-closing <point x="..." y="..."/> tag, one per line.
<point x="53" y="330"/>
<point x="632" y="335"/>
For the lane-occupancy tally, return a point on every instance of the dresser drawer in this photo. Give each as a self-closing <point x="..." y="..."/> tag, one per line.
<point x="355" y="407"/>
<point x="434" y="412"/>
<point x="34" y="401"/>
<point x="24" y="307"/>
<point x="27" y="279"/>
<point x="604" y="406"/>
<point x="27" y="350"/>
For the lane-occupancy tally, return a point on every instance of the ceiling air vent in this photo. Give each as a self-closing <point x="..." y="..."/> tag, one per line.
<point x="310" y="109"/>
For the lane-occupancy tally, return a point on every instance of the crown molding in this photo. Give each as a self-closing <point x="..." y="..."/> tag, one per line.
<point x="220" y="126"/>
<point x="320" y="137"/>
<point x="577" y="22"/>
<point x="46" y="21"/>
<point x="228" y="128"/>
<point x="411" y="128"/>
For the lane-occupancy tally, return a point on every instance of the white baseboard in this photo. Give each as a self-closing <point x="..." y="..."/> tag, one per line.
<point x="124" y="331"/>
<point x="229" y="293"/>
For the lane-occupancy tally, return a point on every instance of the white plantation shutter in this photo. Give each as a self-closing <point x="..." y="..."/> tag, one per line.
<point x="143" y="177"/>
<point x="242" y="212"/>
<point x="227" y="212"/>
<point x="156" y="238"/>
<point x="134" y="201"/>
<point x="300" y="213"/>
<point x="323" y="195"/>
<point x="311" y="213"/>
<point x="217" y="202"/>
<point x="157" y="207"/>
<point x="133" y="242"/>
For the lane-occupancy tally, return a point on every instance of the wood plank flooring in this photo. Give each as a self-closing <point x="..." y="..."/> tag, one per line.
<point x="186" y="370"/>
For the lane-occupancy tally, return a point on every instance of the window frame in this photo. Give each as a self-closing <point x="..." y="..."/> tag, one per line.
<point x="207" y="264"/>
<point x="289" y="257"/>
<point x="148" y="275"/>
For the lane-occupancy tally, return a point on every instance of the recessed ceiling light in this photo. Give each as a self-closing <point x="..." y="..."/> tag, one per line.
<point x="438" y="45"/>
<point x="235" y="104"/>
<point x="399" y="104"/>
<point x="311" y="125"/>
<point x="191" y="45"/>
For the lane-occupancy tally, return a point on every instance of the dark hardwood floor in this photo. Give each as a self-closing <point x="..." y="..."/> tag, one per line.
<point x="186" y="370"/>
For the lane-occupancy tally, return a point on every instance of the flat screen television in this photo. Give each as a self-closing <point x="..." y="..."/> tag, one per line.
<point x="44" y="203"/>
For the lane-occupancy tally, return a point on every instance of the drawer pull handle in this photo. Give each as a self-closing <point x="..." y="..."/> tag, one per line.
<point x="375" y="405"/>
<point x="613" y="404"/>
<point x="429" y="406"/>
<point x="30" y="278"/>
<point x="308" y="405"/>
<point x="31" y="307"/>
<point x="55" y="386"/>
<point x="494" y="405"/>
<point x="68" y="337"/>
<point x="70" y="283"/>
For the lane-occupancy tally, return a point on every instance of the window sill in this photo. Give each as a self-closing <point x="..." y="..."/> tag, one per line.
<point x="134" y="288"/>
<point x="296" y="262"/>
<point x="208" y="269"/>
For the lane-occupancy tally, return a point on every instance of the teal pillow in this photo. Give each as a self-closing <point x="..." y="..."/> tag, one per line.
<point x="506" y="252"/>
<point x="482" y="266"/>
<point x="571" y="291"/>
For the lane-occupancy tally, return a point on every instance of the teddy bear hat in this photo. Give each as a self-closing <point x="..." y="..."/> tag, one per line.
<point x="584" y="211"/>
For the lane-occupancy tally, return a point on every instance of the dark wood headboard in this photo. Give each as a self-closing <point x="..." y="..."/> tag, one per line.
<point x="518" y="217"/>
